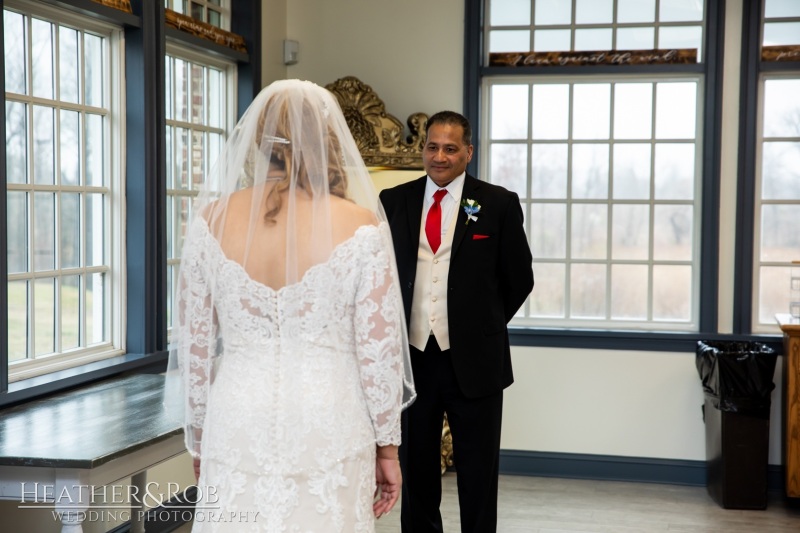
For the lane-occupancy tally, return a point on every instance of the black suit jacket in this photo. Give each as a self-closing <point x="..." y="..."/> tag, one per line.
<point x="490" y="276"/>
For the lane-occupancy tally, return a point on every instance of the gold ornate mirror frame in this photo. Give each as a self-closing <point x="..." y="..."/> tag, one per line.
<point x="380" y="136"/>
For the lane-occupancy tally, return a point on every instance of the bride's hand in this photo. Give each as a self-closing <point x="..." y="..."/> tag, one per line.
<point x="389" y="481"/>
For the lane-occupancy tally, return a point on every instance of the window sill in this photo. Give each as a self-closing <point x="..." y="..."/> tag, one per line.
<point x="32" y="388"/>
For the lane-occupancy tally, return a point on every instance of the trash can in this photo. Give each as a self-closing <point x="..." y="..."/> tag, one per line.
<point x="737" y="382"/>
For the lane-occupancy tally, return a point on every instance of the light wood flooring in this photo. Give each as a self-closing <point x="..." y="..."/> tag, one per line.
<point x="555" y="505"/>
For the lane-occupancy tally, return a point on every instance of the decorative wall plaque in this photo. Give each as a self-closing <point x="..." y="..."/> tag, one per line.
<point x="781" y="53"/>
<point x="205" y="30"/>
<point x="607" y="57"/>
<point x="122" y="5"/>
<point x="379" y="135"/>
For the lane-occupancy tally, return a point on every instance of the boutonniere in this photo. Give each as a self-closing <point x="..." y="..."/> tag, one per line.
<point x="471" y="208"/>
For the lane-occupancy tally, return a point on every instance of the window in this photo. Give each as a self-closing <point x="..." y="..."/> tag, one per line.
<point x="63" y="183"/>
<point x="607" y="160"/>
<point x="214" y="12"/>
<point x="199" y="109"/>
<point x="777" y="209"/>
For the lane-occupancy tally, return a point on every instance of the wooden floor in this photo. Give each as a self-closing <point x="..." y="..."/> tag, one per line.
<point x="554" y="505"/>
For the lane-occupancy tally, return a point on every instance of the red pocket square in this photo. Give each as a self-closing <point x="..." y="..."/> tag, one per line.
<point x="478" y="236"/>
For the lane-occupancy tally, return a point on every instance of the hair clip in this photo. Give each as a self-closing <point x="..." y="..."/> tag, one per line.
<point x="276" y="140"/>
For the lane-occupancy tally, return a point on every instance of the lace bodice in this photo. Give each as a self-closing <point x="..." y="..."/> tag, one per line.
<point x="298" y="378"/>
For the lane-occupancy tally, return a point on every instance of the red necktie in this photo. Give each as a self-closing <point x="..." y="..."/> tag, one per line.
<point x="433" y="224"/>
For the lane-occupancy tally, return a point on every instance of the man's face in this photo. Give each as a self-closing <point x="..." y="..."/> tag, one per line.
<point x="445" y="156"/>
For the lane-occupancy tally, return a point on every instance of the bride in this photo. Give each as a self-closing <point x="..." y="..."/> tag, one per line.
<point x="289" y="351"/>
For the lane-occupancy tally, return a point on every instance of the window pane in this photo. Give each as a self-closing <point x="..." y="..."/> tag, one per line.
<point x="93" y="52"/>
<point x="509" y="167"/>
<point x="549" y="298"/>
<point x="95" y="154"/>
<point x="181" y="89"/>
<point x="17" y="231"/>
<point x="181" y="158"/>
<point x="631" y="171"/>
<point x="681" y="37"/>
<point x="95" y="309"/>
<point x="672" y="288"/>
<point x="781" y="8"/>
<point x="780" y="171"/>
<point x="594" y="11"/>
<point x="42" y="58"/>
<point x="589" y="231"/>
<point x="214" y="18"/>
<point x="552" y="12"/>
<point x="214" y="98"/>
<point x="672" y="233"/>
<point x="95" y="230"/>
<point x="593" y="39"/>
<point x="70" y="229"/>
<point x="169" y="82"/>
<point x="549" y="171"/>
<point x="44" y="231"/>
<point x="636" y="10"/>
<point x="548" y="231"/>
<point x="633" y="110"/>
<point x="198" y="98"/>
<point x="16" y="142"/>
<point x="550" y="111"/>
<point x="675" y="110"/>
<point x="781" y="33"/>
<point x="510" y="12"/>
<point x="590" y="171"/>
<point x="16" y="55"/>
<point x="69" y="144"/>
<point x="70" y="312"/>
<point x="591" y="111"/>
<point x="629" y="287"/>
<point x="778" y="244"/>
<point x="509" y="112"/>
<point x="68" y="64"/>
<point x="588" y="291"/>
<point x="184" y="212"/>
<point x="774" y="293"/>
<point x="43" y="146"/>
<point x="198" y="159"/>
<point x="510" y="41"/>
<point x="630" y="232"/>
<point x="636" y="39"/>
<point x="782" y="108"/>
<point x="551" y="40"/>
<point x="680" y="10"/>
<point x="18" y="326"/>
<point x="674" y="171"/>
<point x="44" y="316"/>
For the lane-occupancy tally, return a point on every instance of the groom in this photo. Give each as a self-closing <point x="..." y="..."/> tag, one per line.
<point x="465" y="268"/>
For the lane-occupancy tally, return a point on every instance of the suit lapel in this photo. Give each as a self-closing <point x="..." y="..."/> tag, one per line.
<point x="471" y="185"/>
<point x="414" y="201"/>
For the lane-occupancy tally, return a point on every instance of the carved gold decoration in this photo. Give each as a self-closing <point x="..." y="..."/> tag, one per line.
<point x="610" y="57"/>
<point x="204" y="30"/>
<point x="447" y="446"/>
<point x="781" y="53"/>
<point x="122" y="5"/>
<point x="379" y="135"/>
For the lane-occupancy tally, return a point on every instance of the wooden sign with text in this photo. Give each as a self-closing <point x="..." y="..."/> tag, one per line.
<point x="682" y="56"/>
<point x="781" y="53"/>
<point x="122" y="5"/>
<point x="205" y="30"/>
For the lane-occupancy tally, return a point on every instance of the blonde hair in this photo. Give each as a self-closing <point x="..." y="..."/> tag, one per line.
<point x="282" y="153"/>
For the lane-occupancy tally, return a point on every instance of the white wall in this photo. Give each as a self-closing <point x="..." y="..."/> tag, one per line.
<point x="622" y="403"/>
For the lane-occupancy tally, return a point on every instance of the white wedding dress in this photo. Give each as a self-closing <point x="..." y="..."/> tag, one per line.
<point x="309" y="380"/>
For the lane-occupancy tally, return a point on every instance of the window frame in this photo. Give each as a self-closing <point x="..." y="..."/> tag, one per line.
<point x="711" y="69"/>
<point x="144" y="325"/>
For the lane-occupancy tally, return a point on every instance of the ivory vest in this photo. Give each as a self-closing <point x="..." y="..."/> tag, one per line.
<point x="429" y="302"/>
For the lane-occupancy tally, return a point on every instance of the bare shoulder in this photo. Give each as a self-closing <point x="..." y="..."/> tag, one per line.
<point x="351" y="216"/>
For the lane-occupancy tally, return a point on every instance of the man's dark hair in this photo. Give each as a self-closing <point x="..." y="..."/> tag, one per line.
<point x="454" y="119"/>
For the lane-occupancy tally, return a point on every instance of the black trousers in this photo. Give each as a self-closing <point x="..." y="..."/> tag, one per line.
<point x="475" y="427"/>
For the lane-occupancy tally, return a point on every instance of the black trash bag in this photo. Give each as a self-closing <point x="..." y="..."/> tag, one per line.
<point x="737" y="376"/>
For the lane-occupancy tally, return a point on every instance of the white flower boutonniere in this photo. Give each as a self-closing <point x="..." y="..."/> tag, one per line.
<point x="471" y="208"/>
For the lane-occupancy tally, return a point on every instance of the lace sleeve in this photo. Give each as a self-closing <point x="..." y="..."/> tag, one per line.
<point x="195" y="341"/>
<point x="380" y="344"/>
